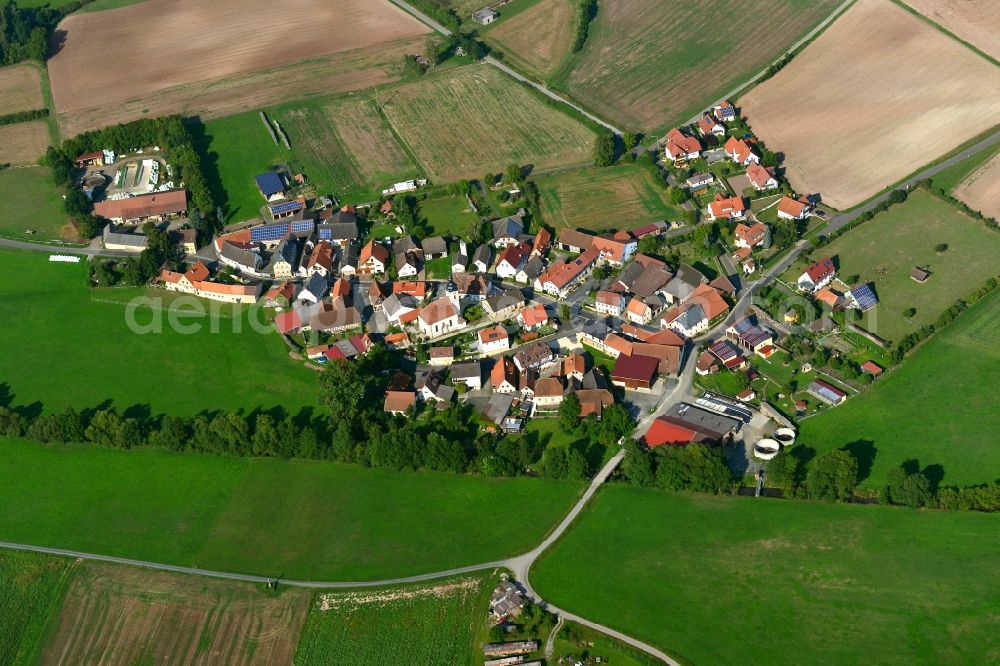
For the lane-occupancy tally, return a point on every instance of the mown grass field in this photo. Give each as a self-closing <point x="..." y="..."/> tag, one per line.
<point x="620" y="197"/>
<point x="447" y="215"/>
<point x="294" y="519"/>
<point x="884" y="250"/>
<point x="938" y="408"/>
<point x="118" y="616"/>
<point x="33" y="586"/>
<point x="436" y="623"/>
<point x="234" y="150"/>
<point x="725" y="580"/>
<point x="29" y="200"/>
<point x="462" y="122"/>
<point x="66" y="348"/>
<point x="648" y="64"/>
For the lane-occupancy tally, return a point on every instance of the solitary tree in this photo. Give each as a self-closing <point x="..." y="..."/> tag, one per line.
<point x="569" y="413"/>
<point x="941" y="248"/>
<point x="604" y="149"/>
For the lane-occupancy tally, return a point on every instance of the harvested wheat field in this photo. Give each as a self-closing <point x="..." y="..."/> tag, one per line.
<point x="23" y="143"/>
<point x="650" y="63"/>
<point x="539" y="38"/>
<point x="114" y="615"/>
<point x="463" y="122"/>
<point x="880" y="93"/>
<point x="981" y="190"/>
<point x="20" y="89"/>
<point x="974" y="21"/>
<point x="163" y="48"/>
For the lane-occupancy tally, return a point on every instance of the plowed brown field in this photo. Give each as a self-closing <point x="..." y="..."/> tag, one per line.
<point x="981" y="190"/>
<point x="164" y="56"/>
<point x="115" y="615"/>
<point x="20" y="89"/>
<point x="879" y="94"/>
<point x="23" y="143"/>
<point x="975" y="21"/>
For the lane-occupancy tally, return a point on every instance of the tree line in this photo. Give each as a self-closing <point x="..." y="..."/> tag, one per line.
<point x="25" y="31"/>
<point x="23" y="116"/>
<point x="169" y="132"/>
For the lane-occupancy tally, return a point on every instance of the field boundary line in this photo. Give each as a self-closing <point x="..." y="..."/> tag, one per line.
<point x="946" y="31"/>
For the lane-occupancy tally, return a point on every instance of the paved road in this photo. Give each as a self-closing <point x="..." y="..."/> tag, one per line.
<point x="63" y="249"/>
<point x="420" y="16"/>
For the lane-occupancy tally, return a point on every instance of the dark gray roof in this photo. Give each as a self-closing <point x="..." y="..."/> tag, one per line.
<point x="506" y="298"/>
<point x="691" y="317"/>
<point x="341" y="216"/>
<point x="406" y="244"/>
<point x="316" y="285"/>
<point x="483" y="254"/>
<point x="240" y="256"/>
<point x="434" y="245"/>
<point x="499" y="406"/>
<point x="690" y="275"/>
<point x="466" y="370"/>
<point x="533" y="268"/>
<point x="511" y="226"/>
<point x="712" y="424"/>
<point x="287" y="250"/>
<point x="629" y="274"/>
<point x="349" y="257"/>
<point x="337" y="230"/>
<point x="118" y="238"/>
<point x="594" y="379"/>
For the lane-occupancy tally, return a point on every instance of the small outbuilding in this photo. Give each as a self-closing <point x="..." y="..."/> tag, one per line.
<point x="485" y="16"/>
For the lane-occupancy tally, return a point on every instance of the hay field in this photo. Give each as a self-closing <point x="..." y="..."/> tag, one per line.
<point x="621" y="197"/>
<point x="981" y="190"/>
<point x="23" y="143"/>
<point x="538" y="38"/>
<point x="879" y="94"/>
<point x="464" y="122"/>
<point x="649" y="63"/>
<point x="165" y="47"/>
<point x="20" y="89"/>
<point x="114" y="615"/>
<point x="973" y="21"/>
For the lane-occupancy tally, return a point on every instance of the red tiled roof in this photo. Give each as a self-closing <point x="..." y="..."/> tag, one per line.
<point x="710" y="300"/>
<point x="144" y="205"/>
<point x="488" y="335"/>
<point x="821" y="270"/>
<point x="410" y="288"/>
<point x="438" y="310"/>
<point x="534" y="315"/>
<point x="872" y="368"/>
<point x="662" y="432"/>
<point x="759" y="175"/>
<point x="680" y="144"/>
<point x="287" y="322"/>
<point x="790" y="206"/>
<point x="636" y="367"/>
<point x="727" y="207"/>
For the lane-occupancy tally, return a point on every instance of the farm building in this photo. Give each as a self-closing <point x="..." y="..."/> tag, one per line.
<point x="116" y="240"/>
<point x="271" y="186"/>
<point x="485" y="16"/>
<point x="826" y="392"/>
<point x="635" y="372"/>
<point x="155" y="206"/>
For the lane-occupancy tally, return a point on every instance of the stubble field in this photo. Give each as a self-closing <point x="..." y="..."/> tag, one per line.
<point x="975" y="22"/>
<point x="23" y="143"/>
<point x="118" y="616"/>
<point x="20" y="89"/>
<point x="880" y="93"/>
<point x="981" y="190"/>
<point x="538" y="38"/>
<point x="463" y="122"/>
<point x="217" y="65"/>
<point x="649" y="63"/>
<point x="32" y="592"/>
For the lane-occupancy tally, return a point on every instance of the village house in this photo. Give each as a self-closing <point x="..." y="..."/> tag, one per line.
<point x="314" y="289"/>
<point x="240" y="259"/>
<point x="505" y="304"/>
<point x="548" y="394"/>
<point x="459" y="261"/>
<point x="195" y="281"/>
<point x="574" y="367"/>
<point x="156" y="206"/>
<point x="336" y="317"/>
<point x="399" y="402"/>
<point x="762" y="178"/>
<point x="726" y="353"/>
<point x="288" y="322"/>
<point x="373" y="259"/>
<point x="377" y="293"/>
<point x="435" y="247"/>
<point x="726" y="208"/>
<point x="609" y="302"/>
<point x="710" y="125"/>
<point x="562" y="277"/>
<point x="188" y="239"/>
<point x="615" y="345"/>
<point x="689" y="320"/>
<point x="284" y="259"/>
<point x="793" y="209"/>
<point x="507" y="230"/>
<point x="740" y="152"/>
<point x="503" y="377"/>
<point x="540" y="245"/>
<point x="482" y="258"/>
<point x="493" y="340"/>
<point x="680" y="147"/>
<point x="439" y="356"/>
<point x="470" y="287"/>
<point x="414" y="288"/>
<point x="430" y="387"/>
<point x="535" y="357"/>
<point x="724" y="111"/>
<point x="699" y="181"/>
<point x="439" y="318"/>
<point x="531" y="269"/>
<point x="532" y="317"/>
<point x="511" y="260"/>
<point x="757" y="234"/>
<point x="320" y="261"/>
<point x="467" y="373"/>
<point x="397" y="307"/>
<point x="280" y="295"/>
<point x="817" y="276"/>
<point x="407" y="264"/>
<point x="639" y="311"/>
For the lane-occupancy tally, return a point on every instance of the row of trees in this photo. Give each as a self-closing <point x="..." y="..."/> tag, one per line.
<point x="585" y="13"/>
<point x="695" y="467"/>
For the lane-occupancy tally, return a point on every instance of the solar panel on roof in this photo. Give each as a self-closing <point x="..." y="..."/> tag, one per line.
<point x="286" y="207"/>
<point x="864" y="296"/>
<point x="268" y="232"/>
<point x="270" y="183"/>
<point x="302" y="225"/>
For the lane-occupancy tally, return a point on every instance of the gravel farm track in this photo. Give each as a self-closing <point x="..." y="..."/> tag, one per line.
<point x="175" y="55"/>
<point x="856" y="83"/>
